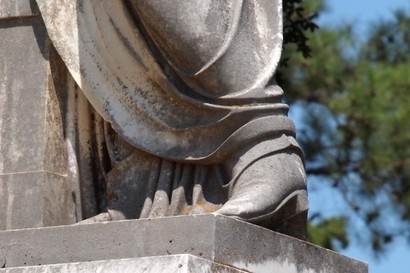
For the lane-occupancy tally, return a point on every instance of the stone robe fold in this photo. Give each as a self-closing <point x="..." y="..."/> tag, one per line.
<point x="154" y="105"/>
<point x="185" y="90"/>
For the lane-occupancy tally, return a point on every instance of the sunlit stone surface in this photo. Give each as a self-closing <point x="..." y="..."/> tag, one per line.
<point x="215" y="238"/>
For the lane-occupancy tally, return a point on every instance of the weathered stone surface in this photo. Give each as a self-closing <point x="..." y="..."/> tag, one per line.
<point x="30" y="120"/>
<point x="171" y="264"/>
<point x="34" y="199"/>
<point x="187" y="83"/>
<point x="17" y="8"/>
<point x="213" y="237"/>
<point x="33" y="161"/>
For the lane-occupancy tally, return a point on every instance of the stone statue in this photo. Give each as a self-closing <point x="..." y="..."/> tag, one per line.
<point x="169" y="108"/>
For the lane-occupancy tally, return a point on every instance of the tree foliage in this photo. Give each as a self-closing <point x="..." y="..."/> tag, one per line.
<point x="354" y="92"/>
<point x="298" y="20"/>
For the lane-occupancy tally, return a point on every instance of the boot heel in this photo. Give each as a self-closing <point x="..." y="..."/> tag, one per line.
<point x="290" y="217"/>
<point x="295" y="226"/>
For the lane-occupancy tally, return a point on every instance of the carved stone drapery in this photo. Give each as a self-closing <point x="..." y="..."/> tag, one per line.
<point x="191" y="121"/>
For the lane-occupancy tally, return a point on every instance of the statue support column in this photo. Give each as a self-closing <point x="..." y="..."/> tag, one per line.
<point x="33" y="180"/>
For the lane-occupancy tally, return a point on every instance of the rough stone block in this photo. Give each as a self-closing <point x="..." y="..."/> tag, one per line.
<point x="215" y="238"/>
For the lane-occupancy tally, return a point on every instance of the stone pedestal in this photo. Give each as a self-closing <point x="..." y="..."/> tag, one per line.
<point x="203" y="243"/>
<point x="183" y="263"/>
<point x="33" y="184"/>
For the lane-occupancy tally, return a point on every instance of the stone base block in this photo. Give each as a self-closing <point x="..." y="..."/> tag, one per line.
<point x="34" y="199"/>
<point x="184" y="263"/>
<point x="215" y="238"/>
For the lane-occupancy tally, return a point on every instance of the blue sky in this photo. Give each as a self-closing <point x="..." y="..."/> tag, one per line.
<point x="362" y="13"/>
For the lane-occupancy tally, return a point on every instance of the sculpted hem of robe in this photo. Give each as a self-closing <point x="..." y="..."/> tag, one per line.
<point x="183" y="107"/>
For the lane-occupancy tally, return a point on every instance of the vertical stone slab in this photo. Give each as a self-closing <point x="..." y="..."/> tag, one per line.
<point x="33" y="184"/>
